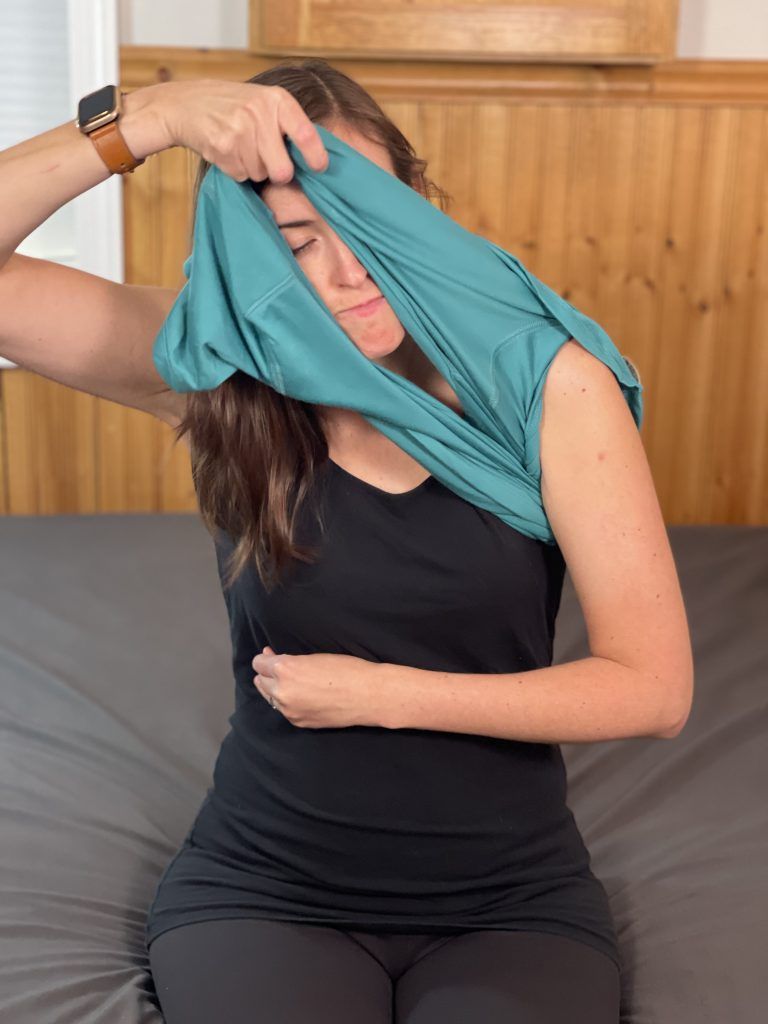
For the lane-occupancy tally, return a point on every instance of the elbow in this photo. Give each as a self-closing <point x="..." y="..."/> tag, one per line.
<point x="673" y="731"/>
<point x="669" y="732"/>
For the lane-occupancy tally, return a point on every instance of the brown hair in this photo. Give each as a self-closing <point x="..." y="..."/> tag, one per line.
<point x="254" y="451"/>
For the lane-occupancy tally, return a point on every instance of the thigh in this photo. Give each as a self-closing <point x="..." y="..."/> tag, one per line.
<point x="510" y="977"/>
<point x="252" y="971"/>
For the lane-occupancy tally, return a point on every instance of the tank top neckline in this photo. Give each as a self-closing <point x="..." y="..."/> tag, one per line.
<point x="372" y="488"/>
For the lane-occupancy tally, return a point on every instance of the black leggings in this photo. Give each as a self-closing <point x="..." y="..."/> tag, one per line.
<point x="253" y="971"/>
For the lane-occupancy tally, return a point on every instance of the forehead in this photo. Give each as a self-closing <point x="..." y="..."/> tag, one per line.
<point x="289" y="202"/>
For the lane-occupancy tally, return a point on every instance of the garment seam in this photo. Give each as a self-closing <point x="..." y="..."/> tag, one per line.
<point x="537" y="324"/>
<point x="275" y="290"/>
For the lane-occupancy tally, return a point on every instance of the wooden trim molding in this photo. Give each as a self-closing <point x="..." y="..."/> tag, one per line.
<point x="732" y="83"/>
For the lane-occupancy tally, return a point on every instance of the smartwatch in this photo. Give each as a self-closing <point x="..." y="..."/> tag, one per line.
<point x="97" y="116"/>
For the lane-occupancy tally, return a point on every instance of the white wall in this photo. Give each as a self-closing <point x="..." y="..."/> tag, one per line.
<point x="213" y="23"/>
<point x="723" y="29"/>
<point x="714" y="29"/>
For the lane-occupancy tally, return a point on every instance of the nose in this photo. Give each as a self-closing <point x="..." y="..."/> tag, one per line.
<point x="349" y="271"/>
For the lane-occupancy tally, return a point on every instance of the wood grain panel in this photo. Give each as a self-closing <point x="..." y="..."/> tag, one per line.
<point x="641" y="195"/>
<point x="51" y="435"/>
<point x="591" y="31"/>
<point x="685" y="82"/>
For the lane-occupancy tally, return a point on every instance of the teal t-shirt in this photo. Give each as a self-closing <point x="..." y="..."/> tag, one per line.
<point x="488" y="325"/>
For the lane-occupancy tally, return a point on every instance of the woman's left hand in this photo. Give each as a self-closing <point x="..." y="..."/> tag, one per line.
<point x="319" y="691"/>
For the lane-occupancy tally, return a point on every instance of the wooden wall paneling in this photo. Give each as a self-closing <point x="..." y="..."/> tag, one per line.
<point x="679" y="372"/>
<point x="739" y="456"/>
<point x="685" y="377"/>
<point x="710" y="82"/>
<point x="553" y="202"/>
<point x="491" y="171"/>
<point x="3" y="451"/>
<point x="127" y="454"/>
<point x="521" y="199"/>
<point x="642" y="295"/>
<point x="431" y="138"/>
<point x="708" y="263"/>
<point x="634" y="31"/>
<point x="52" y="439"/>
<point x="460" y="158"/>
<point x="608" y="236"/>
<point x="752" y="451"/>
<point x="585" y="247"/>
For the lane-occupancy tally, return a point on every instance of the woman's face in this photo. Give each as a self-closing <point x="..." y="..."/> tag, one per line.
<point x="339" y="277"/>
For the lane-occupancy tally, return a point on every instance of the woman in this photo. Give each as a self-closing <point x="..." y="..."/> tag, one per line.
<point x="346" y="864"/>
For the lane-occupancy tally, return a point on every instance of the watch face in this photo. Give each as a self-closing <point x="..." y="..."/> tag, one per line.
<point x="96" y="105"/>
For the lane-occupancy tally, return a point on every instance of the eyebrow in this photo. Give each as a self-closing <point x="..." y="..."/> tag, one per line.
<point x="296" y="224"/>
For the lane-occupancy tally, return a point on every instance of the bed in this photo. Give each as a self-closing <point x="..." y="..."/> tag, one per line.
<point x="116" y="692"/>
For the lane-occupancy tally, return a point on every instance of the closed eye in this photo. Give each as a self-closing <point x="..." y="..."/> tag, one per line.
<point x="302" y="247"/>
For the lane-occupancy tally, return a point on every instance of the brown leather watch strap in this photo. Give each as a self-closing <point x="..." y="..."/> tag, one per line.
<point x="113" y="150"/>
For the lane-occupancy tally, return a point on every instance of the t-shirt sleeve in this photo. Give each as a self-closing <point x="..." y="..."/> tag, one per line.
<point x="520" y="368"/>
<point x="238" y="258"/>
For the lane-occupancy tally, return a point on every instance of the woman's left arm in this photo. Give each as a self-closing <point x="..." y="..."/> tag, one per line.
<point x="599" y="496"/>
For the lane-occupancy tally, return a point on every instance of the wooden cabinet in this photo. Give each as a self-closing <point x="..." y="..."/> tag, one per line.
<point x="572" y="31"/>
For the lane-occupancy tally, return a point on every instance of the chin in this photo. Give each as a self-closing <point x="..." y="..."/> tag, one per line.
<point x="378" y="341"/>
<point x="379" y="348"/>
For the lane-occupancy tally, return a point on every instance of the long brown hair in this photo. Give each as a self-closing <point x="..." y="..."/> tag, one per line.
<point x="254" y="451"/>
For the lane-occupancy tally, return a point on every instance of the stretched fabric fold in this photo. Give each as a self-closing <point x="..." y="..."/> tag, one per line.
<point x="487" y="324"/>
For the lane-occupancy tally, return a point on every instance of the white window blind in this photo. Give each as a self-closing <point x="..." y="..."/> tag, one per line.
<point x="51" y="53"/>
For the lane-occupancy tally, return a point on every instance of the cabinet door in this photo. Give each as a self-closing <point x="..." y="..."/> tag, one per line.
<point x="572" y="31"/>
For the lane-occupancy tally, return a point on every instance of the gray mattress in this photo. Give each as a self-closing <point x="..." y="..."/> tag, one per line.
<point x="116" y="691"/>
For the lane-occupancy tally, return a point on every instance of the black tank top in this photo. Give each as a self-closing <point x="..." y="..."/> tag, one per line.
<point x="395" y="830"/>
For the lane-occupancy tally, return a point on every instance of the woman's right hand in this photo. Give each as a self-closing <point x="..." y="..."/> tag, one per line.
<point x="239" y="126"/>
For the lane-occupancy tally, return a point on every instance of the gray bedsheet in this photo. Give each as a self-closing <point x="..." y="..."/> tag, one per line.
<point x="115" y="690"/>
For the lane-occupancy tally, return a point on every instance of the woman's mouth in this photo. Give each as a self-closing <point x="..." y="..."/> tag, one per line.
<point x="367" y="308"/>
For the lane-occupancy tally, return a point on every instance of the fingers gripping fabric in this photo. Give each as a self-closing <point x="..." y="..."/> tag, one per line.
<point x="488" y="325"/>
